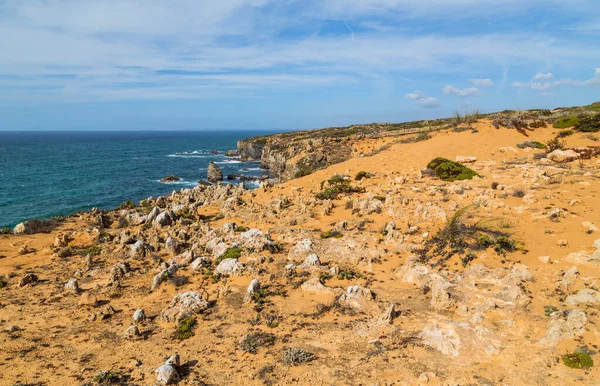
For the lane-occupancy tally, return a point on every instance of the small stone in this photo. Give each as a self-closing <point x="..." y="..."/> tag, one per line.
<point x="252" y="288"/>
<point x="28" y="279"/>
<point x="544" y="259"/>
<point x="72" y="286"/>
<point x="132" y="332"/>
<point x="562" y="243"/>
<point x="166" y="375"/>
<point x="139" y="316"/>
<point x="87" y="299"/>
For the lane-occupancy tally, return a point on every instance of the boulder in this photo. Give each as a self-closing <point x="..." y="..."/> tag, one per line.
<point x="138" y="249"/>
<point x="28" y="279"/>
<point x="584" y="296"/>
<point x="214" y="173"/>
<point x="72" y="286"/>
<point x="356" y="297"/>
<point x="170" y="178"/>
<point x="442" y="337"/>
<point x="165" y="218"/>
<point x="183" y="305"/>
<point x="563" y="155"/>
<point x="139" y="315"/>
<point x="228" y="267"/>
<point x="252" y="288"/>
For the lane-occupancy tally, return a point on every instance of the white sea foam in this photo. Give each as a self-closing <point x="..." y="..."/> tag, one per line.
<point x="228" y="162"/>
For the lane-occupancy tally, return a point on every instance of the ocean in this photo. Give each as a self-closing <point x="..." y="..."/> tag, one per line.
<point x="45" y="174"/>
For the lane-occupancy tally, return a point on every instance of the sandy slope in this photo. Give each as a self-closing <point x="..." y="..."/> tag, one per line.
<point x="60" y="342"/>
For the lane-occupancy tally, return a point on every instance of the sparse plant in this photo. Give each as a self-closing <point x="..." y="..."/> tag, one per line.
<point x="5" y="231"/>
<point x="230" y="253"/>
<point x="565" y="133"/>
<point x="566" y="122"/>
<point x="555" y="144"/>
<point x="588" y="124"/>
<point x="549" y="310"/>
<point x="127" y="205"/>
<point x="108" y="378"/>
<point x="332" y="233"/>
<point x="294" y="356"/>
<point x="362" y="174"/>
<point x="531" y="144"/>
<point x="252" y="342"/>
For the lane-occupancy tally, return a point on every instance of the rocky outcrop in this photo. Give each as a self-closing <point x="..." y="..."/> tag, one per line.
<point x="214" y="174"/>
<point x="252" y="148"/>
<point x="170" y="178"/>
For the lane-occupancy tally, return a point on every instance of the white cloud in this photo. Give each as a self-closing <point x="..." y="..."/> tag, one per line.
<point x="542" y="76"/>
<point x="598" y="72"/>
<point x="471" y="91"/>
<point x="481" y="82"/>
<point x="536" y="85"/>
<point x="422" y="99"/>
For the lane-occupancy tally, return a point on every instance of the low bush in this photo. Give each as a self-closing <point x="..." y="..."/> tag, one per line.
<point x="362" y="174"/>
<point x="566" y="122"/>
<point x="294" y="356"/>
<point x="590" y="124"/>
<point x="108" y="378"/>
<point x="537" y="124"/>
<point x="127" y="205"/>
<point x="331" y="233"/>
<point x="555" y="144"/>
<point x="565" y="133"/>
<point x="5" y="231"/>
<point x="531" y="144"/>
<point x="450" y="171"/>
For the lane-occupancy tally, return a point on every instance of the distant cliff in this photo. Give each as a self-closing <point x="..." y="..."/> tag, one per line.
<point x="295" y="154"/>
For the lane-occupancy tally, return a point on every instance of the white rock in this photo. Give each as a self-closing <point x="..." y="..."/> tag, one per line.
<point x="72" y="286"/>
<point x="139" y="316"/>
<point x="584" y="296"/>
<point x="184" y="304"/>
<point x="252" y="288"/>
<point x="443" y="338"/>
<point x="466" y="159"/>
<point x="563" y="155"/>
<point x="544" y="259"/>
<point x="228" y="267"/>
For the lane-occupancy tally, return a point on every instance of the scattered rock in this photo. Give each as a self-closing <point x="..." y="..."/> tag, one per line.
<point x="252" y="288"/>
<point x="584" y="296"/>
<point x="132" y="332"/>
<point x="214" y="173"/>
<point x="465" y="159"/>
<point x="87" y="299"/>
<point x="563" y="155"/>
<point x="28" y="279"/>
<point x="139" y="315"/>
<point x="72" y="286"/>
<point x="229" y="267"/>
<point x="167" y="374"/>
<point x="170" y="178"/>
<point x="184" y="304"/>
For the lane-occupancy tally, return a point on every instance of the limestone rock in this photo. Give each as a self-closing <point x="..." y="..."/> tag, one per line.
<point x="87" y="299"/>
<point x="563" y="155"/>
<point x="72" y="286"/>
<point x="442" y="337"/>
<point x="252" y="288"/>
<point x="183" y="305"/>
<point x="139" y="315"/>
<point x="214" y="173"/>
<point x="357" y="297"/>
<point x="228" y="267"/>
<point x="466" y="159"/>
<point x="584" y="296"/>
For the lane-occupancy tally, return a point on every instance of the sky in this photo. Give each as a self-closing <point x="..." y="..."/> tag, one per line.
<point x="288" y="64"/>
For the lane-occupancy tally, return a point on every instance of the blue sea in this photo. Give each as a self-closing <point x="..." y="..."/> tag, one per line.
<point x="45" y="174"/>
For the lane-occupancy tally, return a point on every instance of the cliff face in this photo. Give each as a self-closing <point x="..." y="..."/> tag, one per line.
<point x="292" y="155"/>
<point x="252" y="148"/>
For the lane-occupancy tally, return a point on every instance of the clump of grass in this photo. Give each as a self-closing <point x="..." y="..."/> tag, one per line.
<point x="331" y="233"/>
<point x="565" y="133"/>
<point x="185" y="328"/>
<point x="302" y="173"/>
<point x="589" y="124"/>
<point x="549" y="310"/>
<point x="252" y="342"/>
<point x="566" y="122"/>
<point x="555" y="144"/>
<point x="185" y="212"/>
<point x="462" y="234"/>
<point x="93" y="250"/>
<point x="294" y="356"/>
<point x="450" y="171"/>
<point x="537" y="124"/>
<point x="127" y="205"/>
<point x="260" y="296"/>
<point x="106" y="377"/>
<point x="5" y="231"/>
<point x="578" y="360"/>
<point x="349" y="274"/>
<point x="230" y="253"/>
<point x="362" y="174"/>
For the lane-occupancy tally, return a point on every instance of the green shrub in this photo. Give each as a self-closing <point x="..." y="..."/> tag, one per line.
<point x="590" y="124"/>
<point x="230" y="253"/>
<point x="94" y="250"/>
<point x="5" y="231"/>
<point x="108" y="378"/>
<point x="485" y="241"/>
<point x="566" y="122"/>
<point x="331" y="233"/>
<point x="578" y="360"/>
<point x="337" y="184"/>
<point x="328" y="194"/>
<point x="531" y="144"/>
<point x="549" y="310"/>
<point x="348" y="274"/>
<point x="185" y="328"/>
<point x="185" y="212"/>
<point x="470" y="256"/>
<point x="565" y="133"/>
<point x="537" y="124"/>
<point x="362" y="174"/>
<point x="450" y="171"/>
<point x="302" y="173"/>
<point x="127" y="205"/>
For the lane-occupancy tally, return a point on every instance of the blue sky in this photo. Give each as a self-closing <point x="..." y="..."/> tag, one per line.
<point x="288" y="64"/>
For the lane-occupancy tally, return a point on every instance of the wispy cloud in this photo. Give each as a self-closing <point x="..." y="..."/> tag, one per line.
<point x="422" y="99"/>
<point x="466" y="92"/>
<point x="537" y="84"/>
<point x="481" y="82"/>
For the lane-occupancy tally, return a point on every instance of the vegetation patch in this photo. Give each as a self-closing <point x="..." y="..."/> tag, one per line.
<point x="463" y="234"/>
<point x="185" y="328"/>
<point x="332" y="233"/>
<point x="362" y="174"/>
<point x="578" y="360"/>
<point x="127" y="205"/>
<point x="589" y="124"/>
<point x="531" y="145"/>
<point x="450" y="171"/>
<point x="302" y="173"/>
<point x="108" y="378"/>
<point x="537" y="124"/>
<point x="230" y="253"/>
<point x="555" y="144"/>
<point x="252" y="342"/>
<point x="349" y="274"/>
<point x="185" y="212"/>
<point x="336" y="186"/>
<point x="93" y="250"/>
<point x="294" y="356"/>
<point x="565" y="133"/>
<point x="566" y="122"/>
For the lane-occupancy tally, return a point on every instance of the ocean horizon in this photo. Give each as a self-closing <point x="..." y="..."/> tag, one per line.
<point x="57" y="173"/>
